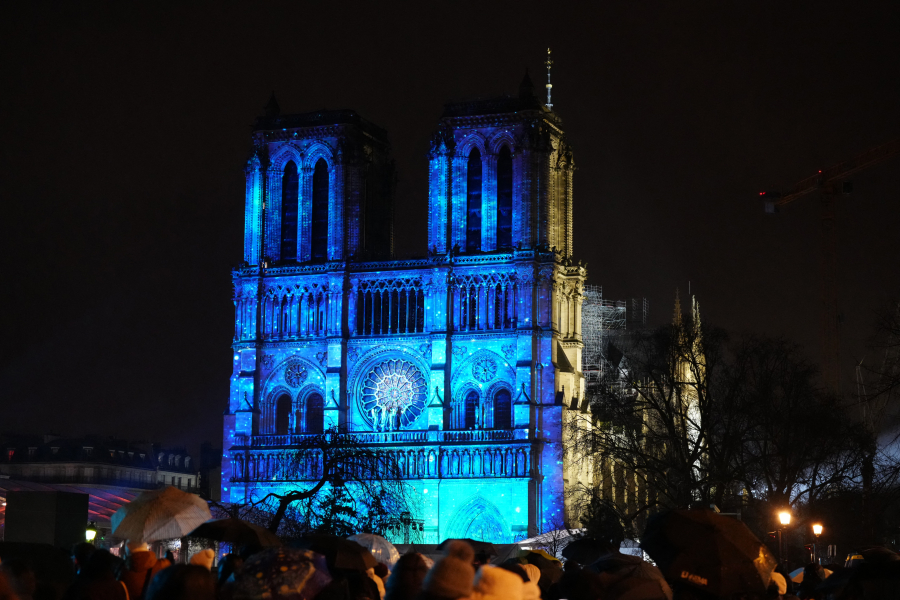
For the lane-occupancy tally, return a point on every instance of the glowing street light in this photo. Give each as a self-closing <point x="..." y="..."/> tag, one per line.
<point x="90" y="532"/>
<point x="784" y="517"/>
<point x="817" y="531"/>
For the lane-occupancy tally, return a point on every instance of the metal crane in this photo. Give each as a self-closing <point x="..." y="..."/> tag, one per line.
<point x="830" y="183"/>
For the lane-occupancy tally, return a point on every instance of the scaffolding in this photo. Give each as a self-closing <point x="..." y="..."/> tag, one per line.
<point x="602" y="320"/>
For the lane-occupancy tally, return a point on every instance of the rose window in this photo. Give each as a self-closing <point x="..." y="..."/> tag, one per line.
<point x="394" y="394"/>
<point x="295" y="374"/>
<point x="484" y="369"/>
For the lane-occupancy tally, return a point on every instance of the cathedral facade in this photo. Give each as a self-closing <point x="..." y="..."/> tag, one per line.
<point x="463" y="364"/>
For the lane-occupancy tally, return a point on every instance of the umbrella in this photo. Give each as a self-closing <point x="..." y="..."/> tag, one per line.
<point x="626" y="576"/>
<point x="236" y="531"/>
<point x="338" y="552"/>
<point x="478" y="546"/>
<point x="586" y="550"/>
<point x="797" y="574"/>
<point x="381" y="549"/>
<point x="282" y="573"/>
<point x="709" y="551"/>
<point x="160" y="514"/>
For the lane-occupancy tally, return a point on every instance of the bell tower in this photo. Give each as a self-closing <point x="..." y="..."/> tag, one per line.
<point x="500" y="177"/>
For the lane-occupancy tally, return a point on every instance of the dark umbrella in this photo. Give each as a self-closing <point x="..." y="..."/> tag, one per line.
<point x="281" y="573"/>
<point x="624" y="576"/>
<point x="479" y="547"/>
<point x="338" y="552"/>
<point x="236" y="531"/>
<point x="586" y="550"/>
<point x="708" y="551"/>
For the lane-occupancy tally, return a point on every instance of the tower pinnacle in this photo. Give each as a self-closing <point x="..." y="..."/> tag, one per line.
<point x="549" y="63"/>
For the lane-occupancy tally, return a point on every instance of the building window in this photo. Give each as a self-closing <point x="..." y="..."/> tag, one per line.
<point x="320" y="211"/>
<point x="471" y="410"/>
<point x="290" y="186"/>
<point x="502" y="410"/>
<point x="179" y="482"/>
<point x="315" y="414"/>
<point x="283" y="414"/>
<point x="473" y="202"/>
<point x="504" y="198"/>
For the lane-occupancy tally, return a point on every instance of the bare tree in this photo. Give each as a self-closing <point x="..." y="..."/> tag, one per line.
<point x="340" y="485"/>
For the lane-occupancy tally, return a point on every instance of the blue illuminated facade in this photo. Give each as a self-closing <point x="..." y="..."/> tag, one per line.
<point x="462" y="364"/>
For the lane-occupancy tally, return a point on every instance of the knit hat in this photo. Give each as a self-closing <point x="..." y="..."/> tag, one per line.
<point x="778" y="578"/>
<point x="494" y="583"/>
<point x="452" y="575"/>
<point x="534" y="574"/>
<point x="204" y="558"/>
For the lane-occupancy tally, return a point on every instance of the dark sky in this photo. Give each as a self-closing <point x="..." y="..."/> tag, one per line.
<point x="125" y="127"/>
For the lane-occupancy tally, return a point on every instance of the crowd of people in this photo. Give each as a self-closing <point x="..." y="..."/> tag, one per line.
<point x="459" y="573"/>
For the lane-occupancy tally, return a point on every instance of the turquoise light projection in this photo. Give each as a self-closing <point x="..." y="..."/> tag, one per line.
<point x="445" y="364"/>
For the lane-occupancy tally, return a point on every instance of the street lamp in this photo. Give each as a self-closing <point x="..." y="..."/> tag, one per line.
<point x="817" y="531"/>
<point x="784" y="517"/>
<point x="90" y="532"/>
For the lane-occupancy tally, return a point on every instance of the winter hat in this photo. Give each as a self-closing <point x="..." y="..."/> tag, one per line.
<point x="452" y="575"/>
<point x="204" y="558"/>
<point x="494" y="583"/>
<point x="137" y="546"/>
<point x="534" y="574"/>
<point x="778" y="578"/>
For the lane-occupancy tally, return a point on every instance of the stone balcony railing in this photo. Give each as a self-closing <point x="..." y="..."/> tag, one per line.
<point x="389" y="437"/>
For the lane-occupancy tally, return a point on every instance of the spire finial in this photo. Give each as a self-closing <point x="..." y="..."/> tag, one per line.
<point x="549" y="63"/>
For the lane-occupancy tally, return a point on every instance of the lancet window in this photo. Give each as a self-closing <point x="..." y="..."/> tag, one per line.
<point x="295" y="312"/>
<point x="504" y="198"/>
<point x="283" y="415"/>
<point x="502" y="409"/>
<point x="315" y="414"/>
<point x="473" y="202"/>
<point x="319" y="234"/>
<point x="485" y="302"/>
<point x="290" y="186"/>
<point x="471" y="410"/>
<point x="390" y="306"/>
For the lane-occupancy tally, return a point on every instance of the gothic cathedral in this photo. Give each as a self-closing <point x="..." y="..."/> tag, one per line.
<point x="463" y="364"/>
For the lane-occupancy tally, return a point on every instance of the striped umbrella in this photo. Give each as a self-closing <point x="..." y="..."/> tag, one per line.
<point x="160" y="514"/>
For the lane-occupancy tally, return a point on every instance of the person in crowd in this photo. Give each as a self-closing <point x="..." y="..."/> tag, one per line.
<point x="170" y="556"/>
<point x="81" y="552"/>
<point x="405" y="581"/>
<point x="21" y="578"/>
<point x="452" y="575"/>
<point x="379" y="584"/>
<point x="141" y="566"/>
<point x="812" y="577"/>
<point x="777" y="586"/>
<point x="97" y="580"/>
<point x="531" y="590"/>
<point x="6" y="591"/>
<point x="229" y="568"/>
<point x="498" y="583"/>
<point x="204" y="558"/>
<point x="183" y="582"/>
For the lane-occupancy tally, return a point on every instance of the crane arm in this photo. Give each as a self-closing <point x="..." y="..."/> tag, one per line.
<point x="841" y="171"/>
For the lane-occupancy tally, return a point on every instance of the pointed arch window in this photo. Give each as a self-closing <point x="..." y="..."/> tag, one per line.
<point x="504" y="198"/>
<point x="502" y="409"/>
<point x="319" y="250"/>
<point x="283" y="414"/>
<point x="473" y="202"/>
<point x="315" y="414"/>
<point x="471" y="410"/>
<point x="290" y="186"/>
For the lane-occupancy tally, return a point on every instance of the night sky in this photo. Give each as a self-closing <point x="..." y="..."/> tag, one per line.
<point x="125" y="130"/>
